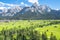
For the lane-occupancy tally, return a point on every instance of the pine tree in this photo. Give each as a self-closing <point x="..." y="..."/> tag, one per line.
<point x="52" y="37"/>
<point x="44" y="36"/>
<point x="35" y="35"/>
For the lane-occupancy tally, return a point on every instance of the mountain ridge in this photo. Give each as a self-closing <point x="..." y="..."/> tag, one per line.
<point x="34" y="12"/>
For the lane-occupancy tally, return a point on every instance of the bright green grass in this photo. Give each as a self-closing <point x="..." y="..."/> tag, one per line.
<point x="36" y="23"/>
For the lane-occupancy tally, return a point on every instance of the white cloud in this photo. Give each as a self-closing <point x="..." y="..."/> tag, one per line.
<point x="11" y="5"/>
<point x="2" y="7"/>
<point x="57" y="9"/>
<point x="2" y="4"/>
<point x="26" y="5"/>
<point x="23" y="4"/>
<point x="7" y="4"/>
<point x="33" y="1"/>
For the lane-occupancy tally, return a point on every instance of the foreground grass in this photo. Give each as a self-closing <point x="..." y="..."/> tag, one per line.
<point x="39" y="25"/>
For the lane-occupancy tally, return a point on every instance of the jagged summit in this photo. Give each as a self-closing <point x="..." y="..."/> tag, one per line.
<point x="35" y="5"/>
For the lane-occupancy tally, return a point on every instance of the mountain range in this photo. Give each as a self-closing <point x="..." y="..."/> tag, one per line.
<point x="34" y="12"/>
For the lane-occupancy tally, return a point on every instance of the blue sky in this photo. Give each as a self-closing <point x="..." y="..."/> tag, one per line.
<point x="54" y="4"/>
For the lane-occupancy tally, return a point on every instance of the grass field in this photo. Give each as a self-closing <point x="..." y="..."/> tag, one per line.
<point x="48" y="26"/>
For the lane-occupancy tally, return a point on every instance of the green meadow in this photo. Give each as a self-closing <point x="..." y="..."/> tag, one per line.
<point x="30" y="30"/>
